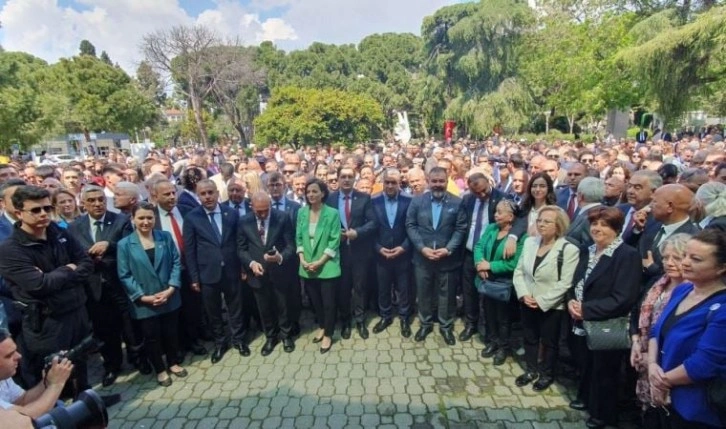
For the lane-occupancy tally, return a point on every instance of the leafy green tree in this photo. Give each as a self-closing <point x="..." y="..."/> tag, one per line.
<point x="21" y="118"/>
<point x="150" y="84"/>
<point x="300" y="116"/>
<point x="87" y="48"/>
<point x="105" y="58"/>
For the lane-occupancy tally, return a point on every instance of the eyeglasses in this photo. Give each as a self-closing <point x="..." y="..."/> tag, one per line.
<point x="553" y="156"/>
<point x="288" y="171"/>
<point x="587" y="160"/>
<point x="346" y="177"/>
<point x="337" y="159"/>
<point x="37" y="210"/>
<point x="333" y="181"/>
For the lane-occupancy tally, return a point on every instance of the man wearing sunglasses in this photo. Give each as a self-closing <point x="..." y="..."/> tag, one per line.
<point x="46" y="269"/>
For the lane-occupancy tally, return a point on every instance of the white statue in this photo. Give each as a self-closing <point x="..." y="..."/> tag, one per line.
<point x="402" y="129"/>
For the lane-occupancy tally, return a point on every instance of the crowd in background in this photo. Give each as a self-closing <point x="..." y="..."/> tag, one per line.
<point x="192" y="246"/>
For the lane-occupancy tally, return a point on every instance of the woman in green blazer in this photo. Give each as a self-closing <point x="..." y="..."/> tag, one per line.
<point x="491" y="265"/>
<point x="149" y="267"/>
<point x="317" y="237"/>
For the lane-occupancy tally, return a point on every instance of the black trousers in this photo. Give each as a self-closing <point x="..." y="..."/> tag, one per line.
<point x="541" y="328"/>
<point x="111" y="320"/>
<point x="352" y="291"/>
<point x="472" y="298"/>
<point x="58" y="332"/>
<point x="272" y="299"/>
<point x="436" y="292"/>
<point x="190" y="313"/>
<point x="392" y="276"/>
<point x="322" y="296"/>
<point x="294" y="294"/>
<point x="498" y="322"/>
<point x="600" y="380"/>
<point x="229" y="292"/>
<point x="161" y="334"/>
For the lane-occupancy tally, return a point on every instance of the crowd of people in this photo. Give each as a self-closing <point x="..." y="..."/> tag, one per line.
<point x="612" y="254"/>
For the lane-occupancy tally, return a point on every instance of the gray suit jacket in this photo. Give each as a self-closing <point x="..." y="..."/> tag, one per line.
<point x="580" y="228"/>
<point x="450" y="233"/>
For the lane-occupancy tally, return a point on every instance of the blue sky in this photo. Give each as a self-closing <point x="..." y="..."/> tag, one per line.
<point x="52" y="29"/>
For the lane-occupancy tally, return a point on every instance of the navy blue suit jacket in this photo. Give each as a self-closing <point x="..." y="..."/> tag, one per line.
<point x="651" y="227"/>
<point x="208" y="261"/>
<point x="563" y="197"/>
<point x="186" y="202"/>
<point x="390" y="237"/>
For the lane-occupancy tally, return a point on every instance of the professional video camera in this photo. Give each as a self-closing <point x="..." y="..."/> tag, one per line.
<point x="87" y="346"/>
<point x="87" y="412"/>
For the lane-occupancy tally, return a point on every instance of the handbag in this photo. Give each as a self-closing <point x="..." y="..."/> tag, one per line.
<point x="500" y="290"/>
<point x="611" y="334"/>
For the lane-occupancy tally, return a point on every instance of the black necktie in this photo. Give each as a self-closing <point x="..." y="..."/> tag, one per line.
<point x="99" y="230"/>
<point x="657" y="238"/>
<point x="215" y="228"/>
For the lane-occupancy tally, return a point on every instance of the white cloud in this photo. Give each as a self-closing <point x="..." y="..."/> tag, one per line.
<point x="51" y="31"/>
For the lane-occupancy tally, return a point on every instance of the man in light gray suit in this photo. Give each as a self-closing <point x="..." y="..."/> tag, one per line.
<point x="590" y="192"/>
<point x="436" y="226"/>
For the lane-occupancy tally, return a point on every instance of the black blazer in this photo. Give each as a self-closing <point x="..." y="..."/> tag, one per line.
<point x="115" y="227"/>
<point x="655" y="271"/>
<point x="280" y="234"/>
<point x="613" y="286"/>
<point x="468" y="202"/>
<point x="208" y="262"/>
<point x="245" y="202"/>
<point x="362" y="220"/>
<point x="717" y="223"/>
<point x="291" y="208"/>
<point x="580" y="229"/>
<point x="651" y="227"/>
<point x="387" y="237"/>
<point x="451" y="232"/>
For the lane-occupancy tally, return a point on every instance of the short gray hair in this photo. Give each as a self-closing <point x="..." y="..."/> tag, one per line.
<point x="654" y="179"/>
<point x="130" y="188"/>
<point x="591" y="189"/>
<point x="713" y="197"/>
<point x="90" y="188"/>
<point x="677" y="242"/>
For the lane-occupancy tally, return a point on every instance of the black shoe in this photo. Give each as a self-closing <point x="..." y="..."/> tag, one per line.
<point x="165" y="382"/>
<point x="198" y="349"/>
<point x="345" y="332"/>
<point x="144" y="366"/>
<point x="594" y="423"/>
<point x="109" y="378"/>
<point x="405" y="329"/>
<point x="288" y="345"/>
<point x="269" y="346"/>
<point x="489" y="350"/>
<point x="324" y="350"/>
<point x="525" y="379"/>
<point x="243" y="349"/>
<point x="218" y="354"/>
<point x="382" y="325"/>
<point x="295" y="329"/>
<point x="181" y="374"/>
<point x="448" y="336"/>
<point x="500" y="357"/>
<point x="578" y="405"/>
<point x="362" y="330"/>
<point x="467" y="333"/>
<point x="543" y="383"/>
<point x="422" y="333"/>
<point x="318" y="339"/>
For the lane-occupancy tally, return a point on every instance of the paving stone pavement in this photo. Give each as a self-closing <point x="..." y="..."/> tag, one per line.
<point x="384" y="382"/>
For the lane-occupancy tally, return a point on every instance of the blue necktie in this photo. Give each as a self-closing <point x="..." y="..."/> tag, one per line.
<point x="436" y="207"/>
<point x="215" y="227"/>
<point x="478" y="225"/>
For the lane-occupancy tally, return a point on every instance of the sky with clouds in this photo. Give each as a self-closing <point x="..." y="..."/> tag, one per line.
<point x="52" y="29"/>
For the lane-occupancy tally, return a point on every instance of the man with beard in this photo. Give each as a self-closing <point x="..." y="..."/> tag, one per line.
<point x="436" y="226"/>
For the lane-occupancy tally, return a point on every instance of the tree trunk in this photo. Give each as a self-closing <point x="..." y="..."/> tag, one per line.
<point x="197" y="108"/>
<point x="571" y="123"/>
<point x="242" y="136"/>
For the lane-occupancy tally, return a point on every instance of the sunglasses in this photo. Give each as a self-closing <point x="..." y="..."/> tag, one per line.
<point x="288" y="171"/>
<point x="333" y="181"/>
<point x="37" y="210"/>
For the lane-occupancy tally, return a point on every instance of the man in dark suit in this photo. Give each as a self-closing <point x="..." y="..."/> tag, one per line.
<point x="266" y="246"/>
<point x="479" y="205"/>
<point x="670" y="206"/>
<point x="7" y="220"/>
<point x="639" y="221"/>
<point x="236" y="191"/>
<point x="170" y="218"/>
<point x="98" y="231"/>
<point x="642" y="136"/>
<point x="436" y="226"/>
<point x="188" y="199"/>
<point x="567" y="196"/>
<point x="276" y="188"/>
<point x="590" y="192"/>
<point x="358" y="227"/>
<point x="210" y="249"/>
<point x="393" y="252"/>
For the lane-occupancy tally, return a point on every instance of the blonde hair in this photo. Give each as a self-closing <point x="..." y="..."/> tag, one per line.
<point x="253" y="182"/>
<point x="562" y="221"/>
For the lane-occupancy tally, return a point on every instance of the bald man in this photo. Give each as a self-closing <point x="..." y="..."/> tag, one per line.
<point x="670" y="206"/>
<point x="266" y="246"/>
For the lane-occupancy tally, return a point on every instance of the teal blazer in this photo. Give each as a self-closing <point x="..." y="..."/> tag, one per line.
<point x="326" y="241"/>
<point x="140" y="278"/>
<point x="500" y="267"/>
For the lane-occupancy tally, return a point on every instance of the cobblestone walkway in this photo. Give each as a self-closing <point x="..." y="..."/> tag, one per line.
<point x="383" y="382"/>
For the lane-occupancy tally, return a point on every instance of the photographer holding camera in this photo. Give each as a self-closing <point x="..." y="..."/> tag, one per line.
<point x="41" y="398"/>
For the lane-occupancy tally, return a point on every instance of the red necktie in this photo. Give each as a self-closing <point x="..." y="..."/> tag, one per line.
<point x="571" y="206"/>
<point x="261" y="230"/>
<point x="347" y="210"/>
<point x="177" y="232"/>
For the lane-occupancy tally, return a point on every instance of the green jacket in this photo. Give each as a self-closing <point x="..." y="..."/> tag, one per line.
<point x="326" y="241"/>
<point x="500" y="267"/>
